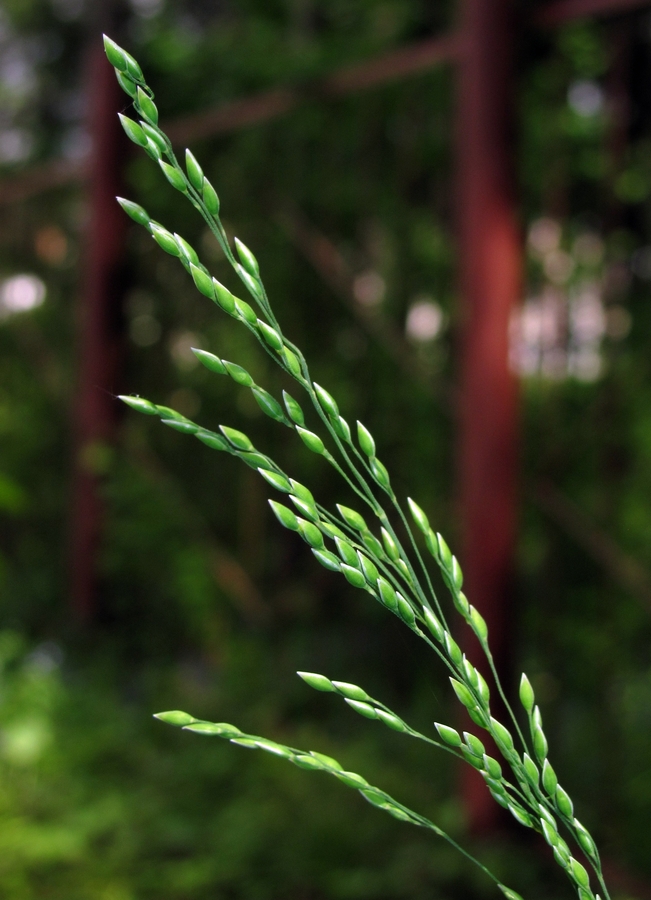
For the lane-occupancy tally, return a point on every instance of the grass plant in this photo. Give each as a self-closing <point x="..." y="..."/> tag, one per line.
<point x="386" y="559"/>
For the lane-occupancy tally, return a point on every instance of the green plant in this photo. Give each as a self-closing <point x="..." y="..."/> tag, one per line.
<point x="389" y="568"/>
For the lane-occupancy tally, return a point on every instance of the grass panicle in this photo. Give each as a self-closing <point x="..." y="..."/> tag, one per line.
<point x="363" y="545"/>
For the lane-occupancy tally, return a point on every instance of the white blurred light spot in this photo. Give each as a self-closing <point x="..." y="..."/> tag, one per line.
<point x="558" y="266"/>
<point x="424" y="321"/>
<point x="586" y="98"/>
<point x="147" y="9"/>
<point x="557" y="335"/>
<point x="20" y="293"/>
<point x="544" y="235"/>
<point x="181" y="345"/>
<point x="145" y="330"/>
<point x="15" y="145"/>
<point x="369" y="288"/>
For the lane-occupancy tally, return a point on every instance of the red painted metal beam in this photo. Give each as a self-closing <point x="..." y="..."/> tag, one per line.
<point x="99" y="315"/>
<point x="490" y="278"/>
<point x="565" y="10"/>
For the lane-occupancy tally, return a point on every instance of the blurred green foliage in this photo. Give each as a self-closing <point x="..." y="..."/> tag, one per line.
<point x="97" y="800"/>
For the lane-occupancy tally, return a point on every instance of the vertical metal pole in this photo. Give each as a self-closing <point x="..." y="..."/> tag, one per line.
<point x="98" y="328"/>
<point x="490" y="276"/>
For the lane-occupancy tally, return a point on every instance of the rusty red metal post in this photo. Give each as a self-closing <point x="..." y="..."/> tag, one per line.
<point x="99" y="315"/>
<point x="490" y="277"/>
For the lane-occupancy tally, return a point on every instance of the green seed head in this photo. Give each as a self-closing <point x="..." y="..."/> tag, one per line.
<point x="328" y="560"/>
<point x="153" y="150"/>
<point x="463" y="694"/>
<point x="146" y="107"/>
<point x="245" y="311"/>
<point x="332" y="531"/>
<point x="445" y="555"/>
<point x="133" y="131"/>
<point x="391" y="721"/>
<point x="365" y="439"/>
<point x="248" y="260"/>
<point x="224" y="297"/>
<point x="448" y="735"/>
<point x="312" y="441"/>
<point x="474" y="745"/>
<point x="210" y="198"/>
<point x="115" y="54"/>
<point x="549" y="779"/>
<point x="564" y="802"/>
<point x="530" y="770"/>
<point x="380" y="472"/>
<point x="373" y="545"/>
<point x="584" y="838"/>
<point x="456" y="576"/>
<point x="173" y="175"/>
<point x="175" y="717"/>
<point x="294" y="410"/>
<point x="203" y="282"/>
<point x="352" y="691"/>
<point x="212" y="440"/>
<point x="460" y="600"/>
<point x="238" y="374"/>
<point x="346" y="552"/>
<point x="291" y="361"/>
<point x="236" y="438"/>
<point x="137" y="213"/>
<point x="433" y="624"/>
<point x="183" y="427"/>
<point x="307" y="509"/>
<point x="390" y="546"/>
<point x="164" y="239"/>
<point x="368" y="568"/>
<point x="453" y="649"/>
<point x="133" y="69"/>
<point x="527" y="698"/>
<point x="268" y="404"/>
<point x="482" y="687"/>
<point x="251" y="282"/>
<point x="257" y="460"/>
<point x="579" y="873"/>
<point x="342" y="428"/>
<point x="311" y="534"/>
<point x="276" y="480"/>
<point x="520" y="815"/>
<point x="478" y="624"/>
<point x="418" y="516"/>
<point x="188" y="251"/>
<point x="270" y="335"/>
<point x="353" y="576"/>
<point x="508" y="893"/>
<point x="405" y="611"/>
<point x="284" y="515"/>
<point x="327" y="401"/>
<point x="126" y="83"/>
<point x="492" y="767"/>
<point x="139" y="404"/>
<point x="301" y="491"/>
<point x="352" y="518"/>
<point x="540" y="745"/>
<point x="195" y="173"/>
<point x="502" y="735"/>
<point x="369" y="712"/>
<point x="154" y="136"/>
<point x="387" y="594"/>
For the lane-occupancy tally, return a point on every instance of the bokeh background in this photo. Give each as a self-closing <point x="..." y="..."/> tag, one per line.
<point x="140" y="571"/>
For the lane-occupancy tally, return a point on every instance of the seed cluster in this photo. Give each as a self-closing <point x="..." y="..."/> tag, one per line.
<point x="372" y="557"/>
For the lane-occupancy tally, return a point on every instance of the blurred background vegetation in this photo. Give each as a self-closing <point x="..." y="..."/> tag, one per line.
<point x="205" y="604"/>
